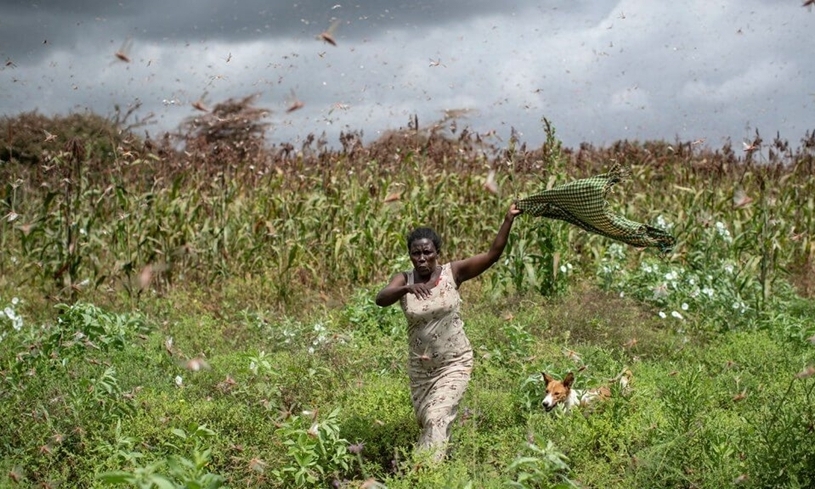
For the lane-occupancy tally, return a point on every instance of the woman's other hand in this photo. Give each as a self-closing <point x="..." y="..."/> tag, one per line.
<point x="423" y="291"/>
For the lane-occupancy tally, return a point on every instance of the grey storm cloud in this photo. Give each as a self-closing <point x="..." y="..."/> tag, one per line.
<point x="599" y="70"/>
<point x="62" y="21"/>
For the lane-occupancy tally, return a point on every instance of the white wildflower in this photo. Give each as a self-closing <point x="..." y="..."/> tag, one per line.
<point x="728" y="268"/>
<point x="662" y="315"/>
<point x="311" y="350"/>
<point x="684" y="306"/>
<point x="708" y="292"/>
<point x="616" y="250"/>
<point x="179" y="382"/>
<point x="563" y="269"/>
<point x="15" y="301"/>
<point x="723" y="232"/>
<point x="671" y="276"/>
<point x="16" y="321"/>
<point x="662" y="223"/>
<point x="676" y="314"/>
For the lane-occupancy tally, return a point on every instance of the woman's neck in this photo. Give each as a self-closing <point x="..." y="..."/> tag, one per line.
<point x="432" y="276"/>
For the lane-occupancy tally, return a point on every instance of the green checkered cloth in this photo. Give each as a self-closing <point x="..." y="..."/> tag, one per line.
<point x="583" y="203"/>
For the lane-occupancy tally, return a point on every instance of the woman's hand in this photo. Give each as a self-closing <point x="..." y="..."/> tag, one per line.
<point x="423" y="291"/>
<point x="513" y="211"/>
<point x="398" y="287"/>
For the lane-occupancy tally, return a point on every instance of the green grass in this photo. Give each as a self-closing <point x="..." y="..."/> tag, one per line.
<point x="682" y="424"/>
<point x="115" y="278"/>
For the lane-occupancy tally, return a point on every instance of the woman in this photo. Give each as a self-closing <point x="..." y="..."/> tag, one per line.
<point x="441" y="358"/>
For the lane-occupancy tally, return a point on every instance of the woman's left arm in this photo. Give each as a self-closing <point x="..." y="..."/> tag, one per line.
<point x="474" y="266"/>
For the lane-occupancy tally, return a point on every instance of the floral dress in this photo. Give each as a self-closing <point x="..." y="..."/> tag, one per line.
<point x="441" y="359"/>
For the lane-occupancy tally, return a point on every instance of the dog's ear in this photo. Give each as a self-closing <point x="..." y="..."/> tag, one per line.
<point x="547" y="378"/>
<point x="568" y="380"/>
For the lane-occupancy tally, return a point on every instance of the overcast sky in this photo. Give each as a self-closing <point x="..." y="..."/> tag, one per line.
<point x="600" y="70"/>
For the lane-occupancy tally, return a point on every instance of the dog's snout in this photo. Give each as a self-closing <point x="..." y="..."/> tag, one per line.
<point x="547" y="403"/>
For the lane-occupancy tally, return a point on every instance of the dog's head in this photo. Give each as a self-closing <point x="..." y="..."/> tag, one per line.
<point x="557" y="391"/>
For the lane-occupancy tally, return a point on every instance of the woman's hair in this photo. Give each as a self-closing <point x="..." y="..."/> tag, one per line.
<point x="424" y="233"/>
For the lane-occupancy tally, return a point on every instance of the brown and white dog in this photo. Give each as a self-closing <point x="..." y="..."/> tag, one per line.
<point x="560" y="392"/>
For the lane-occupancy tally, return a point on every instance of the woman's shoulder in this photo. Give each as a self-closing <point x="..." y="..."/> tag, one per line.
<point x="403" y="275"/>
<point x="449" y="268"/>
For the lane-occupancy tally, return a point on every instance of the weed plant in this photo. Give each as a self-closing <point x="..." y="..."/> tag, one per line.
<point x="171" y="319"/>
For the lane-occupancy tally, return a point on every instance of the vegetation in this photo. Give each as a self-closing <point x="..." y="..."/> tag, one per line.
<point x="197" y="310"/>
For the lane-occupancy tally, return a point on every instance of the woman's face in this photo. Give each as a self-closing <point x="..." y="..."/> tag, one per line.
<point x="424" y="256"/>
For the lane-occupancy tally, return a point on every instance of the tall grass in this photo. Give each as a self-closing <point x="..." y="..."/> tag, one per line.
<point x="85" y="221"/>
<point x="214" y="321"/>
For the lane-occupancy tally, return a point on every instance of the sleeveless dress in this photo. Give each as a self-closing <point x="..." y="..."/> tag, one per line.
<point x="440" y="359"/>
